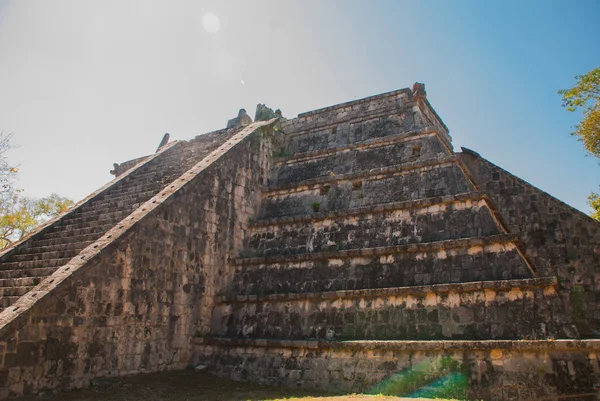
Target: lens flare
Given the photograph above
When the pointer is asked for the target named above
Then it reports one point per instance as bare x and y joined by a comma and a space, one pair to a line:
211, 23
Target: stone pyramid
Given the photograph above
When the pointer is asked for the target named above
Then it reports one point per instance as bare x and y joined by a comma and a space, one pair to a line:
350, 249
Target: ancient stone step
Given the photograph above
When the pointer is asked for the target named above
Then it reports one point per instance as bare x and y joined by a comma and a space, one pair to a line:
31, 268
68, 232
66, 254
128, 194
69, 246
357, 159
93, 218
108, 210
92, 224
20, 282
14, 291
507, 309
121, 200
58, 240
418, 181
400, 223
8, 301
453, 261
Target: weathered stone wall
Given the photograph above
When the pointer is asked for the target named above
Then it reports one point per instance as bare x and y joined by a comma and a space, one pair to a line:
346, 133
467, 260
372, 227
357, 158
559, 240
488, 370
136, 304
523, 309
362, 109
360, 120
334, 193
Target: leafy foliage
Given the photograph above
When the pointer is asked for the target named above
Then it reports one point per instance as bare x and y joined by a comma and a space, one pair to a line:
594, 202
585, 95
19, 215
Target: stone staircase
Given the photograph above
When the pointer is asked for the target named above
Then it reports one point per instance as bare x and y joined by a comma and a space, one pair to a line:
25, 266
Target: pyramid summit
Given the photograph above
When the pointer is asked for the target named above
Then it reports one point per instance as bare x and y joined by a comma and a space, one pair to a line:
349, 249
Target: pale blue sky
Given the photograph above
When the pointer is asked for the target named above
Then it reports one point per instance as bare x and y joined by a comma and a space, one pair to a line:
84, 83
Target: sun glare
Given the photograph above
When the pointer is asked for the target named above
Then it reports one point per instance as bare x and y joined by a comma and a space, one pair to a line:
211, 23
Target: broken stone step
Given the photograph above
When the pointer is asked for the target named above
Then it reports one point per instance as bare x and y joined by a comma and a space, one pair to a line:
66, 254
506, 309
69, 246
20, 282
14, 291
28, 272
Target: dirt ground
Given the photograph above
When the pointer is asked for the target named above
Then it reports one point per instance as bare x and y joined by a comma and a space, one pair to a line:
191, 386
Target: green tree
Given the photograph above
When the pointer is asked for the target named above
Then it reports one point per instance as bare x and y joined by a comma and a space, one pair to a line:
594, 202
585, 95
20, 215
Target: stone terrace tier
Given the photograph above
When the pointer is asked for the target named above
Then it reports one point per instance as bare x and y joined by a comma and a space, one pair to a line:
389, 224
412, 147
24, 266
398, 183
451, 261
509, 309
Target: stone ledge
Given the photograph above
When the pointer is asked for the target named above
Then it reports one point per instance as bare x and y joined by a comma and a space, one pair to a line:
387, 250
380, 208
377, 173
398, 291
368, 144
403, 345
